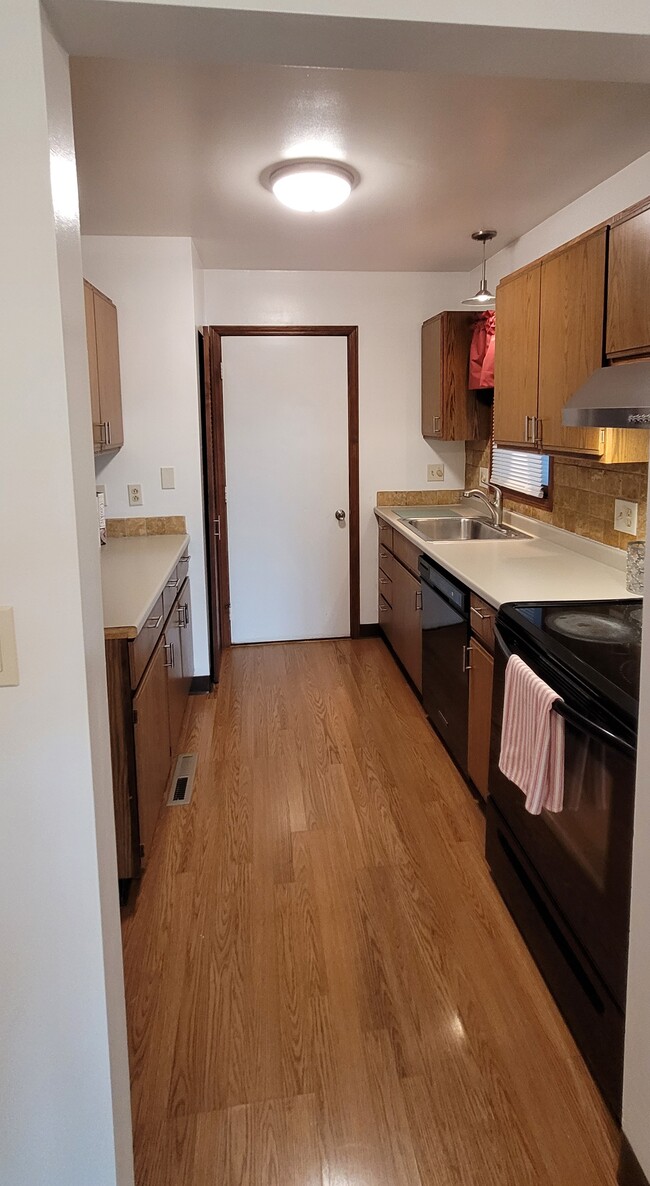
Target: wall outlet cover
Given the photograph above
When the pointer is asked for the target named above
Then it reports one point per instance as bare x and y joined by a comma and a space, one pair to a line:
625, 516
135, 495
436, 472
167, 477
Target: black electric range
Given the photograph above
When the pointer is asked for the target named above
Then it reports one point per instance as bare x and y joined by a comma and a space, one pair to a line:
566, 876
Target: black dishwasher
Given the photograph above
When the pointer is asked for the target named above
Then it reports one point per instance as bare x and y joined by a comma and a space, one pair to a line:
445, 652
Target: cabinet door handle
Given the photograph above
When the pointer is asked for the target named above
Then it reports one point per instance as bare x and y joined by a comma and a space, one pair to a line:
383, 609
169, 647
527, 420
173, 584
483, 617
418, 599
154, 623
436, 424
384, 581
106, 432
185, 559
217, 527
467, 665
183, 616
100, 425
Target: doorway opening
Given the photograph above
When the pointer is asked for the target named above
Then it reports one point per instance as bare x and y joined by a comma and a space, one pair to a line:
214, 424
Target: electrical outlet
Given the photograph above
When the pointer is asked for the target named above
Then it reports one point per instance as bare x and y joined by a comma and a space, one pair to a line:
436, 472
135, 496
625, 516
484, 477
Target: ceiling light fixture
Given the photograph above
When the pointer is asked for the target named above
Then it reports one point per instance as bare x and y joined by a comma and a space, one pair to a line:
311, 186
483, 296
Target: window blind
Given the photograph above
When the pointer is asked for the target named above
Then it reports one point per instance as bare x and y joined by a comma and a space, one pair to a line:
519, 470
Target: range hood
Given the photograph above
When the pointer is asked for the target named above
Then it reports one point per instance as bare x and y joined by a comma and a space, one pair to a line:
614, 397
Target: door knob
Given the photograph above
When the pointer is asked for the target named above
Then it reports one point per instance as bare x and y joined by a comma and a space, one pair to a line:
340, 515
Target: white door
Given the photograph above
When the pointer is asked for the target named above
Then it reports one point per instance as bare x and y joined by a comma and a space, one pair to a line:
286, 437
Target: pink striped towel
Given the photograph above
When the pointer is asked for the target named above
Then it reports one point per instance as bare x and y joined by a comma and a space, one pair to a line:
532, 738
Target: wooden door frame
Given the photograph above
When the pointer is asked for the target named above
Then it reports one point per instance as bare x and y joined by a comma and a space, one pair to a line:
217, 512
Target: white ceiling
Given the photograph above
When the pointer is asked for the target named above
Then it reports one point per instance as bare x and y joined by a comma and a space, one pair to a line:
176, 148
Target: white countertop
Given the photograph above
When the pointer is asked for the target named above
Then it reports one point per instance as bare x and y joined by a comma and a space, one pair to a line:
134, 573
553, 565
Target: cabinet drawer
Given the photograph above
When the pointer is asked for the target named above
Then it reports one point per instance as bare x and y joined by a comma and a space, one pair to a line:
141, 648
482, 620
385, 587
385, 616
408, 553
385, 535
386, 561
172, 588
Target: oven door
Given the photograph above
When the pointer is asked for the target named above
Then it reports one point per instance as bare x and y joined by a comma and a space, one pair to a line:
582, 854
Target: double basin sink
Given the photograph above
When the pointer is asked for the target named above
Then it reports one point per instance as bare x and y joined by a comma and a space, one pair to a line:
461, 528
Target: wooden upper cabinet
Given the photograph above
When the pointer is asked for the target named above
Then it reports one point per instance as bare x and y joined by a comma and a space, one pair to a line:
517, 357
450, 411
628, 293
104, 370
572, 314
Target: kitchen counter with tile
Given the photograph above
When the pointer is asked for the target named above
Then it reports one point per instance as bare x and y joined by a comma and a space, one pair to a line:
553, 565
135, 571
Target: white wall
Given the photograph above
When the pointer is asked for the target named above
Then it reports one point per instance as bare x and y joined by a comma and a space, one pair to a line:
64, 1086
389, 308
623, 189
152, 282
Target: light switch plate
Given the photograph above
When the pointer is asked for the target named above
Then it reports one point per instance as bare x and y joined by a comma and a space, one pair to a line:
8, 652
101, 489
167, 477
625, 516
135, 495
436, 472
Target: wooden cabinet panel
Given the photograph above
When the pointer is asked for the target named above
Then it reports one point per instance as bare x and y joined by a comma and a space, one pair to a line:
407, 623
408, 553
177, 691
516, 357
480, 714
385, 535
628, 296
432, 377
185, 623
91, 345
450, 411
152, 745
572, 310
108, 369
386, 620
141, 648
482, 619
386, 561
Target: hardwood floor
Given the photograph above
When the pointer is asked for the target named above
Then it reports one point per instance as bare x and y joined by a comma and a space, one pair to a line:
323, 985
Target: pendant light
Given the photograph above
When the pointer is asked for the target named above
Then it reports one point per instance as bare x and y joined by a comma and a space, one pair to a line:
483, 297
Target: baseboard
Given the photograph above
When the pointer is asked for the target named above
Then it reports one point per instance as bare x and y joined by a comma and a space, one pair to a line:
629, 1170
369, 630
200, 684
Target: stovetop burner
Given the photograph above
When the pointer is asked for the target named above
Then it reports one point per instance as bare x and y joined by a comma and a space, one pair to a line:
592, 626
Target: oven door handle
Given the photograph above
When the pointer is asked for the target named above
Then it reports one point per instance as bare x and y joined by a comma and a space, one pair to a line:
597, 732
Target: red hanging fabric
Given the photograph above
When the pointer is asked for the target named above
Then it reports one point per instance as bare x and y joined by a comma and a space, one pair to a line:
481, 353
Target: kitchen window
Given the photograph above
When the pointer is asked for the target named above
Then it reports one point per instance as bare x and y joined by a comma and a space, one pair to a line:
524, 474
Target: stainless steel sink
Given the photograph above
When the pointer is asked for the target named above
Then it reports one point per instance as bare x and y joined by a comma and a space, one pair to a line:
458, 528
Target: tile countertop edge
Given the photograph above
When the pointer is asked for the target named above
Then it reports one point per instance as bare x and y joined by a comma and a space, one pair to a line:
121, 558
588, 560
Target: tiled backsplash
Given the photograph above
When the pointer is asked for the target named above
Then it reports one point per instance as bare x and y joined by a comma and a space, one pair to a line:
583, 494
417, 498
149, 525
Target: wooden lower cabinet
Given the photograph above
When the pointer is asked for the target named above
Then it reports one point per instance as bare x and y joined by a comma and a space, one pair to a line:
153, 747
148, 688
400, 604
481, 675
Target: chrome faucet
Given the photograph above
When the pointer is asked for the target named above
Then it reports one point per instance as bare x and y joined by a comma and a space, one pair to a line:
495, 507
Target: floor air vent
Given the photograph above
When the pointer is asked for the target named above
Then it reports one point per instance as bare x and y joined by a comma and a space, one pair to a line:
183, 780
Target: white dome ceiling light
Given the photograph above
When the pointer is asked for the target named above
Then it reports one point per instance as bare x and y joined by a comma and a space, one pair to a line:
483, 297
311, 186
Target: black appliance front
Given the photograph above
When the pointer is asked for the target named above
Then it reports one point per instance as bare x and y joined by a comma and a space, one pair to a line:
579, 858
445, 638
